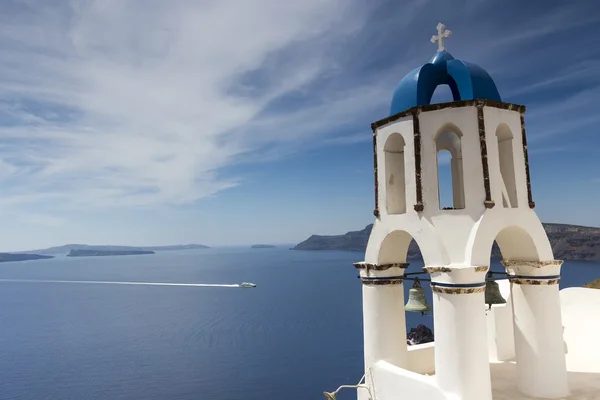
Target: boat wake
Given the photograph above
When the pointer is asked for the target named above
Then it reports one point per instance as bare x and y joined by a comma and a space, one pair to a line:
121, 283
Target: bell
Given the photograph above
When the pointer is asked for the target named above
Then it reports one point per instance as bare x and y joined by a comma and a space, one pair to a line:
492, 292
416, 299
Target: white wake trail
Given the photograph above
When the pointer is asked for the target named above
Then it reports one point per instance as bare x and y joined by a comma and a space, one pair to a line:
119, 283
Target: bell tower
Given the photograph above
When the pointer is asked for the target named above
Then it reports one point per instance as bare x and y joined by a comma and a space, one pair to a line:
491, 201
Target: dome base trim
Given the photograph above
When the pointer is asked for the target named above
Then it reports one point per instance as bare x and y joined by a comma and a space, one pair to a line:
453, 104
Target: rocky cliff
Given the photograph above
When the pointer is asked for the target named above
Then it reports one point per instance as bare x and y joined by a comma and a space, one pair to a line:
569, 242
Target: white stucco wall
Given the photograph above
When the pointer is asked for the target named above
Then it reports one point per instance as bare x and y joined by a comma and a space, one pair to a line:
465, 236
462, 121
493, 118
391, 382
421, 358
580, 316
384, 323
404, 127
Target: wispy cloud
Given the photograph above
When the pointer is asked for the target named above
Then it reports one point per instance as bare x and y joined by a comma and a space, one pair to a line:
108, 103
119, 102
42, 219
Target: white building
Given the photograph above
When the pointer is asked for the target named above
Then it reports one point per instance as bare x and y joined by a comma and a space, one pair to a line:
515, 350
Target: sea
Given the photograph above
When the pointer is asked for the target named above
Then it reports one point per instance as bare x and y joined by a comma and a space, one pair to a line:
70, 329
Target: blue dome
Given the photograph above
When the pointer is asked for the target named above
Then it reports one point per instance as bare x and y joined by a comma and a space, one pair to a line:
467, 81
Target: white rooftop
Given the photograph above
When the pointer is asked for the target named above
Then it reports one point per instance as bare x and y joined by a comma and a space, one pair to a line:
580, 309
584, 386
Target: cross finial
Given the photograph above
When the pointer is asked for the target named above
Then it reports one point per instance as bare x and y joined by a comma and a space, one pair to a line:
442, 33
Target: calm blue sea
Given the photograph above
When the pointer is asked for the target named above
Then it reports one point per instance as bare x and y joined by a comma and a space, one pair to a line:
298, 333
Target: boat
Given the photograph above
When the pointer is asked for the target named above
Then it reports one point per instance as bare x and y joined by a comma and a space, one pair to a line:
247, 284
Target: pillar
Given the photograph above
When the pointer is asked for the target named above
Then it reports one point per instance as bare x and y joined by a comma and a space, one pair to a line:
462, 367
384, 321
538, 329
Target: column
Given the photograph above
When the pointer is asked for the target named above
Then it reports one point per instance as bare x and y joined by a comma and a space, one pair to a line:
462, 367
538, 329
383, 313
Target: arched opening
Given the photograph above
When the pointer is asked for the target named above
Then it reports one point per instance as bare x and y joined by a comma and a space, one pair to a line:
400, 247
394, 248
511, 243
515, 243
442, 94
508, 183
444, 157
395, 179
450, 176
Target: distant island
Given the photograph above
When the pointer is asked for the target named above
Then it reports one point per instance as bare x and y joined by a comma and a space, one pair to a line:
569, 242
85, 250
262, 246
61, 250
100, 253
8, 257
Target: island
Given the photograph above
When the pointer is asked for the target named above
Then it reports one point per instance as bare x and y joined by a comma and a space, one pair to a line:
63, 250
175, 247
262, 246
8, 257
100, 253
569, 242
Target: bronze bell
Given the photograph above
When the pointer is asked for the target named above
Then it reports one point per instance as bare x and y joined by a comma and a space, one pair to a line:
416, 299
492, 292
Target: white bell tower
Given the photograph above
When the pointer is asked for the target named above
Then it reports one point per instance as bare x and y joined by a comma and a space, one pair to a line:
492, 201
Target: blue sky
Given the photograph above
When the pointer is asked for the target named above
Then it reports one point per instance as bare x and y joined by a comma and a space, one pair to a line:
232, 122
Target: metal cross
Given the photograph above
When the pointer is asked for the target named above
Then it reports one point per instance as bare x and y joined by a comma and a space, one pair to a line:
442, 33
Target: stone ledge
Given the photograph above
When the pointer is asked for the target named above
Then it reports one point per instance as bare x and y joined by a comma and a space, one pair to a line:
521, 281
457, 290
532, 264
381, 281
476, 268
379, 267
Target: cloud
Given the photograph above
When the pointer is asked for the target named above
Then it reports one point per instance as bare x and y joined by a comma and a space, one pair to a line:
115, 103
110, 103
42, 220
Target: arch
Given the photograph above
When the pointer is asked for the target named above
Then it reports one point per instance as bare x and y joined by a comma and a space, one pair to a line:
389, 245
506, 159
394, 247
449, 138
473, 81
516, 243
449, 127
432, 79
442, 94
395, 175
525, 240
